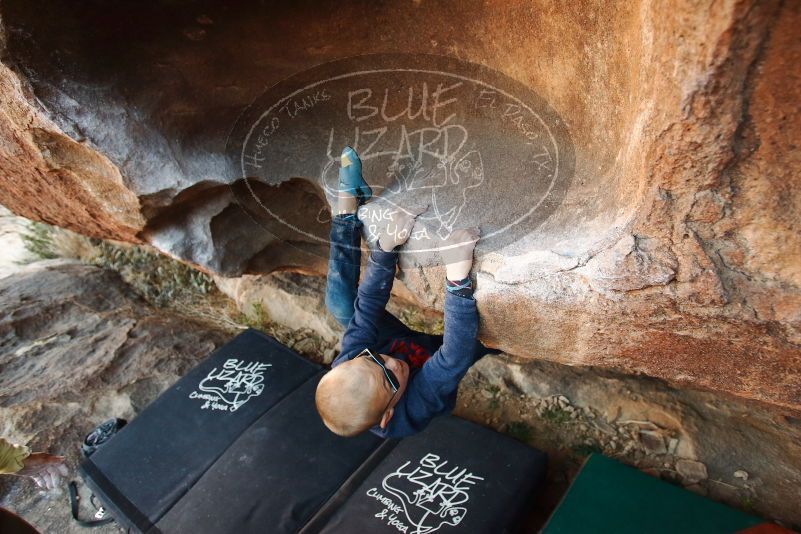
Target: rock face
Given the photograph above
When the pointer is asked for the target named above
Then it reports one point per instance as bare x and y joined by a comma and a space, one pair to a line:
695, 439
671, 250
77, 347
289, 299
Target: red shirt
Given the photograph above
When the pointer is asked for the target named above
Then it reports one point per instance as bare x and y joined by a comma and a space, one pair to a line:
414, 354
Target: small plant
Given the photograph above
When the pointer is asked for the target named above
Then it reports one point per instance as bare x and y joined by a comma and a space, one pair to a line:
38, 240
556, 415
258, 318
417, 320
520, 431
493, 393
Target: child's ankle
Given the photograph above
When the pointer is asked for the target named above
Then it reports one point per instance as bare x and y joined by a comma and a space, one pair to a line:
346, 204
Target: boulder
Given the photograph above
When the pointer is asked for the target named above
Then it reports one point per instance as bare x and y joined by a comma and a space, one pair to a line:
78, 347
633, 166
691, 472
288, 299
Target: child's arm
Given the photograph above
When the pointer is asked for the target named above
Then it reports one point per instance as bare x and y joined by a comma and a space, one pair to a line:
376, 285
433, 390
371, 299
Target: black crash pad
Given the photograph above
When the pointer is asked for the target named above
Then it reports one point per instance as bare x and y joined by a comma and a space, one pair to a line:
146, 468
455, 476
275, 476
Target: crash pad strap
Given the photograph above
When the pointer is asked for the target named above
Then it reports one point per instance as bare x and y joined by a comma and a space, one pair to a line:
74, 509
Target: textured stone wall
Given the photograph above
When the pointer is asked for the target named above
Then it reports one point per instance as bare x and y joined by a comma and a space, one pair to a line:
674, 253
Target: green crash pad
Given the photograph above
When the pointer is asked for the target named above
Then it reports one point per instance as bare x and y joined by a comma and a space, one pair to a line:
609, 497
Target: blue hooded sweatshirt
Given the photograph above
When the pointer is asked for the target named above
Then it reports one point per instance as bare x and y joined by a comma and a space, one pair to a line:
437, 363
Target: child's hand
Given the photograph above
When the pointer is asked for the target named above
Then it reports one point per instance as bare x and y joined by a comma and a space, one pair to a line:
396, 231
457, 253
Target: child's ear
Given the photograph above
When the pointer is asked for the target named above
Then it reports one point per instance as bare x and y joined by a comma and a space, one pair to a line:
385, 418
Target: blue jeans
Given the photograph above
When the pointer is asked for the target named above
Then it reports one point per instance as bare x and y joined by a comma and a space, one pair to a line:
344, 263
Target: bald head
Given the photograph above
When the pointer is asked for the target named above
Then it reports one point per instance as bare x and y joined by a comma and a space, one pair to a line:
351, 398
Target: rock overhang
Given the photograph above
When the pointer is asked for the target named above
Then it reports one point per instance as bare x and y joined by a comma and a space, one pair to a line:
156, 90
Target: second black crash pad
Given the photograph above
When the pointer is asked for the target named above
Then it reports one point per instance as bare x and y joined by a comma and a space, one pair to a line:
607, 496
153, 461
455, 476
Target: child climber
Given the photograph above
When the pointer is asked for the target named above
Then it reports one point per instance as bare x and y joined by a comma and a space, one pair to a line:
389, 378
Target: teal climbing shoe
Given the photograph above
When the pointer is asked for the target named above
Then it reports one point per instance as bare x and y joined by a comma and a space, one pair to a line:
350, 176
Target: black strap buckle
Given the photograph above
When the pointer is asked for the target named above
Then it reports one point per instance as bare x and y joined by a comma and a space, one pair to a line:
74, 499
